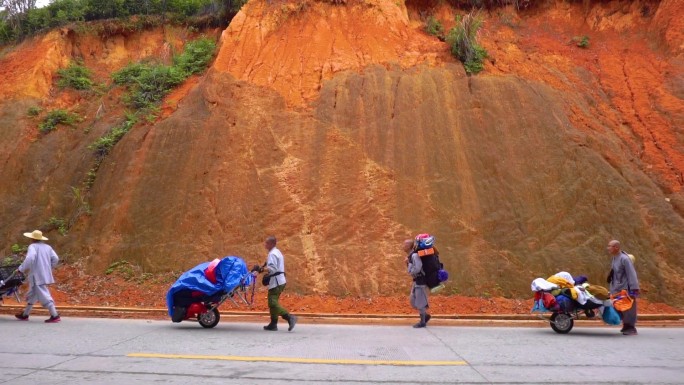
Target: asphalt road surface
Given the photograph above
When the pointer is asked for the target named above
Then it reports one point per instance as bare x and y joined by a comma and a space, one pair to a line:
116, 351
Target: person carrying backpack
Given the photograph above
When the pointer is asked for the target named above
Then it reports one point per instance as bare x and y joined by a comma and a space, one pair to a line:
419, 289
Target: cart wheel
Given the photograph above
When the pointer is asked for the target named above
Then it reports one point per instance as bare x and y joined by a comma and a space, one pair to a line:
209, 319
561, 323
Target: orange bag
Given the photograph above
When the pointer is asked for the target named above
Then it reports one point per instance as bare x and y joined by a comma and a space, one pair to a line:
622, 301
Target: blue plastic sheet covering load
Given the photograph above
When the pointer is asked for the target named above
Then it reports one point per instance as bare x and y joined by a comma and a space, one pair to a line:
230, 272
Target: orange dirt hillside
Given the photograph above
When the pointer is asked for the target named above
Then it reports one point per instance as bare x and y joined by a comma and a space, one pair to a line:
310, 41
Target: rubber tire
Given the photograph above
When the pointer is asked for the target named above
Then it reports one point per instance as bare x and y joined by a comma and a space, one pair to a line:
564, 320
209, 319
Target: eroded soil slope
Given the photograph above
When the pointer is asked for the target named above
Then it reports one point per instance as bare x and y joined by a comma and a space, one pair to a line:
345, 129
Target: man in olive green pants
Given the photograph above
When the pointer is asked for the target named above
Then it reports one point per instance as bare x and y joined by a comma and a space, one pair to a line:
275, 268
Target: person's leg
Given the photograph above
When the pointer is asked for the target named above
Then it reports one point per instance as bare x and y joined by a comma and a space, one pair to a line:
420, 302
43, 293
412, 296
629, 320
274, 305
412, 300
31, 298
274, 308
291, 321
427, 304
290, 318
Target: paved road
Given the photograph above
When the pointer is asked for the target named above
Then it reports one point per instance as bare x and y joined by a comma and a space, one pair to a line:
107, 351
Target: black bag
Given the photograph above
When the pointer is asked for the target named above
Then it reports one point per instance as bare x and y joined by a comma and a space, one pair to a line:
431, 268
178, 313
265, 279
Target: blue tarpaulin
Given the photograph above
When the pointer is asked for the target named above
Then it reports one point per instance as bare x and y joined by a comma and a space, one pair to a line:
230, 272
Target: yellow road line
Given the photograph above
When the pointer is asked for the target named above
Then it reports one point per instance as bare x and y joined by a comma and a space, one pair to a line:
298, 360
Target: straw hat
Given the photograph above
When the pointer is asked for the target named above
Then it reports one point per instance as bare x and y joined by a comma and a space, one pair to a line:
631, 256
36, 234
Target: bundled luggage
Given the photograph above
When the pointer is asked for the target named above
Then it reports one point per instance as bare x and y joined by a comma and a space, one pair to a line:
433, 269
566, 297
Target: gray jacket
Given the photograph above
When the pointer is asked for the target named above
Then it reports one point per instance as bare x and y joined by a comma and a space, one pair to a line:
415, 269
624, 274
39, 262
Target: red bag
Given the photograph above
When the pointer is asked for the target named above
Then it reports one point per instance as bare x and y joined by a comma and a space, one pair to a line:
549, 300
210, 271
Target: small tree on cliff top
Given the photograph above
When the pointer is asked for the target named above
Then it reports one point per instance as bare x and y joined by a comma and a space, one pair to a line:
463, 41
17, 7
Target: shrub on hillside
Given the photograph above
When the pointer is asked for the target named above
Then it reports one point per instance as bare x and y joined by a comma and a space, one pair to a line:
581, 41
34, 111
149, 83
104, 145
434, 27
154, 84
462, 39
75, 76
59, 224
56, 117
130, 73
195, 56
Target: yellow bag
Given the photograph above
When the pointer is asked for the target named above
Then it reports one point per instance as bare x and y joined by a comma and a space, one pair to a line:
622, 301
599, 292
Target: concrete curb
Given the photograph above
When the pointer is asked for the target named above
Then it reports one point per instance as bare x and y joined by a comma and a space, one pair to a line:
162, 312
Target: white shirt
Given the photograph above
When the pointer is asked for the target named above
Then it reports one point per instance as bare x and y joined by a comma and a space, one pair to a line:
275, 262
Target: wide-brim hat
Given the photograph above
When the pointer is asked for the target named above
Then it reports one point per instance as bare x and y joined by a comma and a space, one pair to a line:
36, 234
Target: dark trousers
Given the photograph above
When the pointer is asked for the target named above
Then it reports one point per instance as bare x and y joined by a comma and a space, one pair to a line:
629, 317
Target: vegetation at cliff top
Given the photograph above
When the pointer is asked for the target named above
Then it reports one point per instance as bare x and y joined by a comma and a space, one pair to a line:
21, 18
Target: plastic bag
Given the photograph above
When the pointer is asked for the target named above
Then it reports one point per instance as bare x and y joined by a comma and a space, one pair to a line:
611, 316
622, 301
539, 307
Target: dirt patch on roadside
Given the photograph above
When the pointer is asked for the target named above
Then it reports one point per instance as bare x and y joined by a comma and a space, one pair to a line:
77, 288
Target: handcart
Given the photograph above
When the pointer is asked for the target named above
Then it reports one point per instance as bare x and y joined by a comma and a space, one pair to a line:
565, 312
198, 293
10, 281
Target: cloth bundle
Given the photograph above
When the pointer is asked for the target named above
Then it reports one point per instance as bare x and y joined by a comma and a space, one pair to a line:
574, 289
